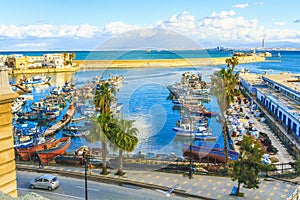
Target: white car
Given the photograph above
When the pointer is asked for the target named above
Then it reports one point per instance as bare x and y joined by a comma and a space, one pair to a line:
47, 181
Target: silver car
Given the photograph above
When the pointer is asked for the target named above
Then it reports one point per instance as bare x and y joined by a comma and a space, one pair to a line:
47, 181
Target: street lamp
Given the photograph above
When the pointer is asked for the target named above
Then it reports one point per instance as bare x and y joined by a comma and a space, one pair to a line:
190, 168
85, 156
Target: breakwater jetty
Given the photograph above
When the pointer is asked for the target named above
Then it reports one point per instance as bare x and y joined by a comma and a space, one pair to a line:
96, 64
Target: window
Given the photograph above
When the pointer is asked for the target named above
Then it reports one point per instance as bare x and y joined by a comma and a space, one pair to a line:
294, 129
289, 122
280, 114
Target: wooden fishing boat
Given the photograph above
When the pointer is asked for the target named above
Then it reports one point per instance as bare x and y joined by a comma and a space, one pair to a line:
29, 152
69, 160
57, 148
78, 119
61, 123
57, 127
216, 154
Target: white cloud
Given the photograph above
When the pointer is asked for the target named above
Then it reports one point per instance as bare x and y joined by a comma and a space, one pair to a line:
30, 45
48, 31
245, 5
117, 28
279, 23
219, 27
183, 22
222, 14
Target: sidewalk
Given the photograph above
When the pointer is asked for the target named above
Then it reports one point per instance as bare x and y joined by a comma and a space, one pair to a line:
209, 187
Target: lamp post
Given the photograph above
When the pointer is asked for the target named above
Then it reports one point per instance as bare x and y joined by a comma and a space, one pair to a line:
85, 156
190, 168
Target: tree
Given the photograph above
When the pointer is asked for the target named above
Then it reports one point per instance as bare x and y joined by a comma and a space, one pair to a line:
297, 166
103, 98
225, 89
249, 164
102, 101
65, 55
71, 57
97, 133
127, 127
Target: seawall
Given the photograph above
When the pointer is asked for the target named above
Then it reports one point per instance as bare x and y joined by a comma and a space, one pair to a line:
94, 64
44, 70
157, 63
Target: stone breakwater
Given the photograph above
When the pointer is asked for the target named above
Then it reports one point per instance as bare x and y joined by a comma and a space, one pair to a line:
95, 64
155, 63
43, 70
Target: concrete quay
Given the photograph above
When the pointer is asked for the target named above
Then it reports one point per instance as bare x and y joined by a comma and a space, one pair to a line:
199, 187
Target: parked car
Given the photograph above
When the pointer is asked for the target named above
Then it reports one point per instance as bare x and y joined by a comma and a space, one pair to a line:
97, 162
47, 181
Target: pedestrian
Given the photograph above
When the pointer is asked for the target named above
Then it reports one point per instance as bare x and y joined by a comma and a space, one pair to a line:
91, 169
39, 160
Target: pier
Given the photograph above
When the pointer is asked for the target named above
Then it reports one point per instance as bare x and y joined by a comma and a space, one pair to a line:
99, 64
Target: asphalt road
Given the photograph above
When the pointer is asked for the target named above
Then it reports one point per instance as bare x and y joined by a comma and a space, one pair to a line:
71, 188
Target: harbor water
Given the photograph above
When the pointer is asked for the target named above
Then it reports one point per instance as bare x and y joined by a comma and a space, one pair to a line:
145, 97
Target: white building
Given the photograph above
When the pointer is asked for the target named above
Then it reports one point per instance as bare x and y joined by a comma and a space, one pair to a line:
280, 94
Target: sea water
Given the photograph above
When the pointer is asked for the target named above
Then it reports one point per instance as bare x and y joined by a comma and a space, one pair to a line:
144, 94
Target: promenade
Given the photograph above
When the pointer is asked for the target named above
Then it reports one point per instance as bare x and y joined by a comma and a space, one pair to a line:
199, 187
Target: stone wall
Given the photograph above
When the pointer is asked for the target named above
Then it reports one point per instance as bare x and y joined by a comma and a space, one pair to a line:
8, 184
159, 63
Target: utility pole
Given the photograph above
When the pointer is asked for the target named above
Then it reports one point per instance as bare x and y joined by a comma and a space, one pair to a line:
85, 175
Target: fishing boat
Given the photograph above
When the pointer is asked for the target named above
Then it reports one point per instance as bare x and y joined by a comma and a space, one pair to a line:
69, 160
26, 153
209, 114
35, 80
205, 137
199, 152
78, 119
187, 130
57, 127
74, 133
63, 122
57, 148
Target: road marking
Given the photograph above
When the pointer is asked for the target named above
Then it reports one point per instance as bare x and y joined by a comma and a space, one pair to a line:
93, 189
53, 193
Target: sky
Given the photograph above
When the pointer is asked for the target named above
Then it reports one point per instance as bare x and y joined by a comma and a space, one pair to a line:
87, 25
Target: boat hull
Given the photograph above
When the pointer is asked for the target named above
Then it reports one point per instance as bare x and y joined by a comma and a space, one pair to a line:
60, 148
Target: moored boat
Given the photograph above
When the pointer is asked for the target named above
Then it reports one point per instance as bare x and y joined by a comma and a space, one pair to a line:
217, 154
57, 148
26, 153
35, 80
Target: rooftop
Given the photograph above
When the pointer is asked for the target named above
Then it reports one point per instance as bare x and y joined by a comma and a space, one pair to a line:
252, 78
291, 81
285, 102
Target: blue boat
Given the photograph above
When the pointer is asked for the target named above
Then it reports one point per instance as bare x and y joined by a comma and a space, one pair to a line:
35, 80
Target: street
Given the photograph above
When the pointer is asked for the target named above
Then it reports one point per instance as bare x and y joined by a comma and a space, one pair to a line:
71, 188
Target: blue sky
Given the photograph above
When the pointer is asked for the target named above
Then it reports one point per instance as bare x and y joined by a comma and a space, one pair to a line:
74, 24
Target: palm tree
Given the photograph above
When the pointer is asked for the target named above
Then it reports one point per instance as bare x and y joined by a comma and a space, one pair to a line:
102, 100
225, 82
97, 133
65, 54
71, 57
127, 127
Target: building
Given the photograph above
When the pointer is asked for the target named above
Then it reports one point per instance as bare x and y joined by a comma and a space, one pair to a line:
8, 184
56, 60
279, 93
